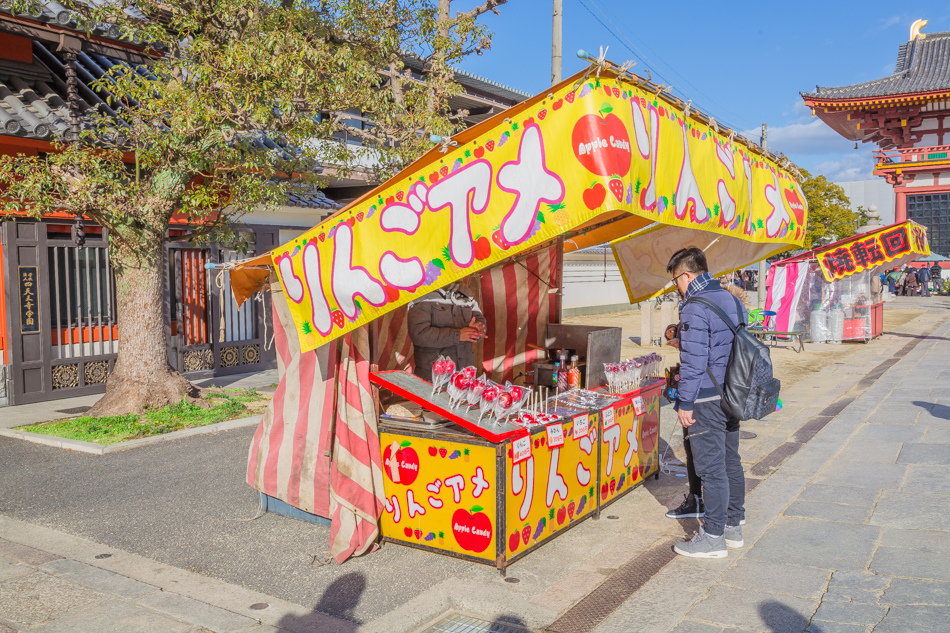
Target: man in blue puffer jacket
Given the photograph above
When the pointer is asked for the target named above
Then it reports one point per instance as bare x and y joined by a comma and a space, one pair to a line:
706, 342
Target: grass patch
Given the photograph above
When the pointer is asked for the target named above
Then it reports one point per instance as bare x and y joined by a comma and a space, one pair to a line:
215, 406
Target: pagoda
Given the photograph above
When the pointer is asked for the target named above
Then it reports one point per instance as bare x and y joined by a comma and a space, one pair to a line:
907, 114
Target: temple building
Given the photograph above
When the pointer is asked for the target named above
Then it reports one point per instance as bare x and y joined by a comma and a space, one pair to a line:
907, 115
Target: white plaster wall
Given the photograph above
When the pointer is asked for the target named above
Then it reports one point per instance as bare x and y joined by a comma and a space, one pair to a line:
875, 191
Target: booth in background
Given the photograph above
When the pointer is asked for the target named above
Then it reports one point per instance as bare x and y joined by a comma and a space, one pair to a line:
826, 293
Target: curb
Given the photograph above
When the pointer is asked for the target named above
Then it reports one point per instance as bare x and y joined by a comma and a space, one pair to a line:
97, 449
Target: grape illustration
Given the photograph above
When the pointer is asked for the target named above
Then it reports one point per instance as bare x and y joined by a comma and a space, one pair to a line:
629, 193
433, 272
585, 91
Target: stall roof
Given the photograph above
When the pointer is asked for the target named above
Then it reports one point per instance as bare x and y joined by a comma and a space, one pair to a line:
601, 155
887, 247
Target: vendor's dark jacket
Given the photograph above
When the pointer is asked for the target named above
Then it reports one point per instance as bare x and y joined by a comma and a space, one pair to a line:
705, 341
434, 323
923, 275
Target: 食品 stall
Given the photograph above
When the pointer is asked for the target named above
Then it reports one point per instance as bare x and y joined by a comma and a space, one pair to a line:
603, 155
826, 293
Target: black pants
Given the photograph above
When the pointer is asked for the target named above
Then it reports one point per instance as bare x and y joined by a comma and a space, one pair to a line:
713, 456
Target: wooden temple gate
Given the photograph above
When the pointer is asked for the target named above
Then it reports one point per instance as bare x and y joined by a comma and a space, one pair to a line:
61, 336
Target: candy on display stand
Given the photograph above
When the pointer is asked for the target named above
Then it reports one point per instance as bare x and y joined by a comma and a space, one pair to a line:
633, 373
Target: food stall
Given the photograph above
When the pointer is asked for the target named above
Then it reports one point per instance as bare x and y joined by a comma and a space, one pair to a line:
825, 293
603, 155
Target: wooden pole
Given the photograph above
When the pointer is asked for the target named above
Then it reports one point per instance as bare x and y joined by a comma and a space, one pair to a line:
556, 42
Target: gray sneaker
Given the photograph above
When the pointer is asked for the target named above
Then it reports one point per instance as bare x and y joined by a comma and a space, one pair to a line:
733, 534
703, 545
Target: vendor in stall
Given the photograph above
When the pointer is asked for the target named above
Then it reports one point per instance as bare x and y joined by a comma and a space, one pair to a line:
445, 322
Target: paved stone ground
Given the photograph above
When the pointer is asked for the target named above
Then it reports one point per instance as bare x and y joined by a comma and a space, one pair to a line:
850, 535
170, 516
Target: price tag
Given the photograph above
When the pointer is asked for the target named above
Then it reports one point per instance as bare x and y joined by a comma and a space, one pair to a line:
555, 435
521, 449
639, 406
609, 419
581, 425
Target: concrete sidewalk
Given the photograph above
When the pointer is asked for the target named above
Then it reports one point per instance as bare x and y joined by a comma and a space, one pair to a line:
849, 535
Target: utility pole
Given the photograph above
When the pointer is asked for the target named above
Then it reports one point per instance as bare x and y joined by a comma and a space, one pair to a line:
556, 43
764, 142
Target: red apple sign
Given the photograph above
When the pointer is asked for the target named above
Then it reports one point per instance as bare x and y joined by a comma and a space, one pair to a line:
795, 204
472, 530
601, 143
407, 464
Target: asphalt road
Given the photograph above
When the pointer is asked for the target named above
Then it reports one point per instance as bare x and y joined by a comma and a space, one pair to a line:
181, 503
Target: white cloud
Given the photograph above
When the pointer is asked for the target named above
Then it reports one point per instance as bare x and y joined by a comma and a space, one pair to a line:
855, 166
796, 139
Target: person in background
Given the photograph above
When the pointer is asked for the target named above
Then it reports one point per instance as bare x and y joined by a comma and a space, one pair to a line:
902, 282
892, 277
876, 287
935, 274
705, 348
910, 282
923, 276
445, 322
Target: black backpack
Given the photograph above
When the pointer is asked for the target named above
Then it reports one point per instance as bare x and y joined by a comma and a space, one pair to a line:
750, 391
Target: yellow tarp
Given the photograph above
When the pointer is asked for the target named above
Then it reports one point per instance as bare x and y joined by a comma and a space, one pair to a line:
559, 161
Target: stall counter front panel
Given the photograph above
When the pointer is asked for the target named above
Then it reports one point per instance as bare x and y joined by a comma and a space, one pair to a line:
464, 496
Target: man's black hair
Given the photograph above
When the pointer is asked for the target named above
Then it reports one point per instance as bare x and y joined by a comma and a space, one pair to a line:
692, 259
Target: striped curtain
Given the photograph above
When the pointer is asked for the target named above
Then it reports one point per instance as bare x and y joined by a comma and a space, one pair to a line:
323, 405
517, 303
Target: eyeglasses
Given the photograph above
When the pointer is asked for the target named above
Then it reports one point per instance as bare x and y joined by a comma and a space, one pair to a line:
685, 272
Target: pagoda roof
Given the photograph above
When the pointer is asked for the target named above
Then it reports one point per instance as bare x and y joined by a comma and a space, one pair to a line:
923, 65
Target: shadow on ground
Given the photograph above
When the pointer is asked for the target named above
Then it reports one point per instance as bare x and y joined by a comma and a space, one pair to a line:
781, 618
340, 599
941, 411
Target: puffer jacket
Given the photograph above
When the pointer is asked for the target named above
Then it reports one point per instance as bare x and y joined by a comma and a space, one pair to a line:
923, 275
434, 322
705, 341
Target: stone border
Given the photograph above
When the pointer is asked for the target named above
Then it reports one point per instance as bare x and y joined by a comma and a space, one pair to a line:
97, 449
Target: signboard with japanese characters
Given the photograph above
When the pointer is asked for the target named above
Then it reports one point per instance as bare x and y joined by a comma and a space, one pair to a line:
871, 250
29, 308
594, 145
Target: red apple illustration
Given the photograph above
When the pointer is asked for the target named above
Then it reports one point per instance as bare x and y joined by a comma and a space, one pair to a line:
407, 463
601, 143
557, 104
391, 294
595, 196
513, 541
604, 490
433, 451
408, 532
561, 515
479, 152
472, 530
482, 248
795, 203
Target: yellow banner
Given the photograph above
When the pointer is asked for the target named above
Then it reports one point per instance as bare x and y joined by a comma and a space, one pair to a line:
864, 252
556, 162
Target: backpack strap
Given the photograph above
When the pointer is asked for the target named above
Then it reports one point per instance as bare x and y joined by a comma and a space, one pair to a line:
720, 312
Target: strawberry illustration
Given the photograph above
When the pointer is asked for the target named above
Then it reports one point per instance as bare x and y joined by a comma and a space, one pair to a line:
443, 452
490, 145
543, 113
400, 195
569, 97
337, 317
616, 92
570, 509
322, 237
417, 534
556, 105
616, 187
359, 216
526, 534
444, 170
499, 239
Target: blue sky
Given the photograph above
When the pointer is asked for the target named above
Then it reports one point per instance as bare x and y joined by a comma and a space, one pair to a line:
742, 62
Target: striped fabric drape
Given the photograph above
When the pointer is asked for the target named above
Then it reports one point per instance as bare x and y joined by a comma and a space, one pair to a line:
322, 405
517, 303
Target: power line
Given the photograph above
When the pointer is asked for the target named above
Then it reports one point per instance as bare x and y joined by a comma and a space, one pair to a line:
632, 48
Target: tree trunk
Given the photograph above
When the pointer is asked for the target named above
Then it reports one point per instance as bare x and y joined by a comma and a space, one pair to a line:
142, 377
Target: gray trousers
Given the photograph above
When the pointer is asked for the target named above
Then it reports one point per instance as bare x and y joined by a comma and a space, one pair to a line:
714, 440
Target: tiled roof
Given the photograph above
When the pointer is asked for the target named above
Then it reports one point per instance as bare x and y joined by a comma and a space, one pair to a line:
310, 197
54, 13
923, 65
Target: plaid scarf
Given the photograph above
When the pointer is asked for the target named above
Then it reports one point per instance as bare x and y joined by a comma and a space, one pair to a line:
696, 286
